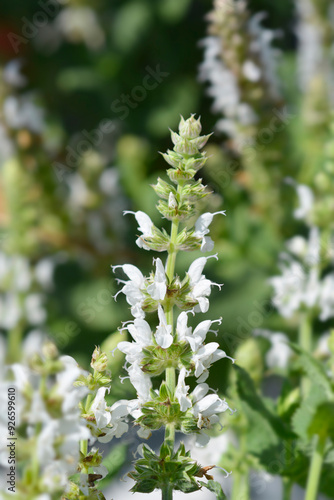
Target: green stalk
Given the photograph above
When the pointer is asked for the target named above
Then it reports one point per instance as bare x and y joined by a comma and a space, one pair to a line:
305, 341
84, 442
315, 468
167, 490
240, 487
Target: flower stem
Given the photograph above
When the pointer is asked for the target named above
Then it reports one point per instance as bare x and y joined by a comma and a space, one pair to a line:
305, 341
315, 468
167, 492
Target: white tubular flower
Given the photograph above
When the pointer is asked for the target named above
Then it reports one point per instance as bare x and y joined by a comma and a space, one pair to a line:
202, 229
206, 409
279, 353
141, 332
181, 391
145, 227
141, 382
100, 410
163, 334
201, 287
306, 201
158, 288
204, 357
326, 300
132, 289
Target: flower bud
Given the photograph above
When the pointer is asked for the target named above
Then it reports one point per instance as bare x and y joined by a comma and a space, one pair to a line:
190, 128
99, 360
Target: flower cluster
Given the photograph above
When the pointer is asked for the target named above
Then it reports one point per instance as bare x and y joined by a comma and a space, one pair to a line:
173, 347
240, 65
48, 426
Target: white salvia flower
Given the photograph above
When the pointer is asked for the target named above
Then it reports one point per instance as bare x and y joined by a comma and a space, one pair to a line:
326, 299
201, 287
133, 289
204, 357
145, 227
251, 71
141, 382
141, 332
99, 408
279, 353
44, 270
36, 313
206, 409
21, 112
202, 229
163, 334
306, 201
181, 391
323, 345
158, 288
295, 287
80, 24
12, 74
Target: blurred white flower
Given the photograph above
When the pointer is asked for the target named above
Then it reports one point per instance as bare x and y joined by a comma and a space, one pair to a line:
80, 25
21, 112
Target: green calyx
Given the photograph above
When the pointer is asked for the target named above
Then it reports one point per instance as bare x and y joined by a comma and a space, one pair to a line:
156, 359
177, 470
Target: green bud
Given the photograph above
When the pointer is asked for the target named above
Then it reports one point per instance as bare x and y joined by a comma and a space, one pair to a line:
163, 189
49, 350
99, 360
172, 158
180, 175
190, 128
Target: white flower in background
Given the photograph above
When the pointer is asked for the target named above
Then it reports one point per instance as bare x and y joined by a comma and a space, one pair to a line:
261, 47
158, 288
326, 299
133, 289
200, 286
145, 227
310, 35
202, 229
12, 74
163, 335
323, 345
279, 353
295, 288
306, 201
80, 25
22, 112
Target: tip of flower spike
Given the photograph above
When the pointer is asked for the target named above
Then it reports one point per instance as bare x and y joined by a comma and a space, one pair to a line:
190, 128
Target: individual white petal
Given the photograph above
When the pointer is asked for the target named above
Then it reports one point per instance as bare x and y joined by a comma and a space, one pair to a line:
163, 333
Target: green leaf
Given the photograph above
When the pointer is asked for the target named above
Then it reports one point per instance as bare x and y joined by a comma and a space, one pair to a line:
313, 369
216, 488
322, 422
266, 434
302, 418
